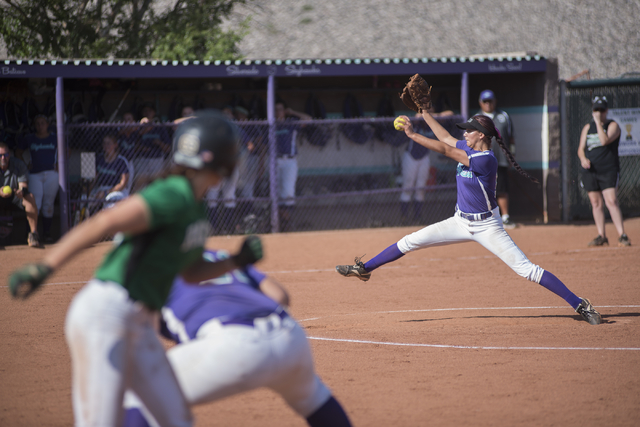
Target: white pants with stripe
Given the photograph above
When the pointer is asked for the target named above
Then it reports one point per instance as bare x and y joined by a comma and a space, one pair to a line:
229, 359
415, 173
44, 187
488, 232
287, 173
114, 347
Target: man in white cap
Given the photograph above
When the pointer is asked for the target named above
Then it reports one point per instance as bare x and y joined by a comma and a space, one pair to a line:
503, 122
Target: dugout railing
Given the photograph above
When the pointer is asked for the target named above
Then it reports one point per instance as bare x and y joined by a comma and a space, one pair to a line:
349, 175
575, 104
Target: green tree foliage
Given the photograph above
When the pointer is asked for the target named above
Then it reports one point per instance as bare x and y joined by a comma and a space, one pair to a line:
171, 30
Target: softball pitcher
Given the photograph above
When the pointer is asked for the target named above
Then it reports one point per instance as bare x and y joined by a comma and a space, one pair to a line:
233, 336
477, 216
110, 323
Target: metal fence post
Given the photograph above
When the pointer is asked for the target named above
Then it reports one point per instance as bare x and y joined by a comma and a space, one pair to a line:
564, 143
464, 95
62, 158
273, 178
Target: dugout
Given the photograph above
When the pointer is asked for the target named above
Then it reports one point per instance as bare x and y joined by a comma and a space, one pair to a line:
526, 86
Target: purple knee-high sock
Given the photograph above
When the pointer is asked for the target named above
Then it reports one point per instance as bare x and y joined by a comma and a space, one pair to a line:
390, 254
329, 414
133, 418
554, 284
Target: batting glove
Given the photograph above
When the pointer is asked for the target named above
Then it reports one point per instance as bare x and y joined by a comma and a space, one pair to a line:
26, 280
250, 252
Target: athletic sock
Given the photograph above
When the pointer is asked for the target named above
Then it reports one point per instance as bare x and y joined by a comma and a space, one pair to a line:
554, 284
330, 414
390, 254
133, 418
46, 226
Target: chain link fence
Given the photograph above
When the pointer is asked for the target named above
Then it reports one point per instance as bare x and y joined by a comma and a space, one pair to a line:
346, 173
577, 114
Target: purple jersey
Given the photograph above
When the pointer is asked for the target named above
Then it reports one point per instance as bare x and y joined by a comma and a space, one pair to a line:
232, 297
476, 183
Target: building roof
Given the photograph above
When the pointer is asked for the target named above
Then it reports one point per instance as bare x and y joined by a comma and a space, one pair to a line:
302, 67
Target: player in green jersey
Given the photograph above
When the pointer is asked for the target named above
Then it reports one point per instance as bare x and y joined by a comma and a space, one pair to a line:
161, 231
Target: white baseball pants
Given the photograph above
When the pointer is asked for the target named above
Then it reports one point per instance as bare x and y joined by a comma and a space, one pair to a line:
228, 189
229, 359
415, 173
488, 232
44, 187
114, 347
287, 176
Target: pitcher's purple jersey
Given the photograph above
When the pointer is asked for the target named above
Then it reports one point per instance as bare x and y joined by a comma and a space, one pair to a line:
476, 183
232, 297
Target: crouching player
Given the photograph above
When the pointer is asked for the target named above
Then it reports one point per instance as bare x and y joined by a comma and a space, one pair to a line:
233, 336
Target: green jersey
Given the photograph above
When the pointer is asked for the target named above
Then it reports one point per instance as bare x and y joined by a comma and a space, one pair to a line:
146, 264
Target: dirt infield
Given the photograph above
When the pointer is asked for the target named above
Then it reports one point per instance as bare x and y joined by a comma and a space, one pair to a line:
446, 336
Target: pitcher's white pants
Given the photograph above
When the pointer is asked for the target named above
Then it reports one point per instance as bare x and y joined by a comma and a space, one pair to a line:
113, 347
228, 359
488, 232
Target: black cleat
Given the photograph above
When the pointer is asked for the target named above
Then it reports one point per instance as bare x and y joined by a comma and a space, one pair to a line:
599, 241
356, 270
588, 313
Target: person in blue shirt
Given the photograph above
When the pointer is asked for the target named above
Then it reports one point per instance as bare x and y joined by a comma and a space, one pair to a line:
287, 162
128, 138
415, 171
112, 173
42, 163
501, 119
233, 335
154, 145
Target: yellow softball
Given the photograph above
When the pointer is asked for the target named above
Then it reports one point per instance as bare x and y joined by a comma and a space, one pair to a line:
7, 190
398, 122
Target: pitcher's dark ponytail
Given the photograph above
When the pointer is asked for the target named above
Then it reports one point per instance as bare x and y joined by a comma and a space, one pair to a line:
488, 124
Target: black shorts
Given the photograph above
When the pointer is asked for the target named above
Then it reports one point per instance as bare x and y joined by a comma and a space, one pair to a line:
592, 181
502, 185
14, 202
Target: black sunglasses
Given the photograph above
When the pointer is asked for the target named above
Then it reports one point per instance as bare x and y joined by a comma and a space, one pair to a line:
4, 154
601, 110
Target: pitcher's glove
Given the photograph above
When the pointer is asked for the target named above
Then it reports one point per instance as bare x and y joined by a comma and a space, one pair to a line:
26, 280
250, 252
416, 94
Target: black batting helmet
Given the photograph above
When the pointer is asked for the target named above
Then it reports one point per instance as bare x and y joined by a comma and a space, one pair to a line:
208, 140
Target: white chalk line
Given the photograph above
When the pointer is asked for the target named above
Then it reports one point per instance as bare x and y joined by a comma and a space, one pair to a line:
465, 258
443, 345
469, 347
474, 347
326, 270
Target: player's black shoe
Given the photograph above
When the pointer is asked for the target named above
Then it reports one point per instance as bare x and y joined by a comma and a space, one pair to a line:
588, 313
624, 240
507, 224
599, 241
356, 270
